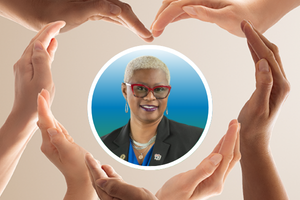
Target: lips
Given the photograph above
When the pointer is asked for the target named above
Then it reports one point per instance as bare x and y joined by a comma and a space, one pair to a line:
149, 108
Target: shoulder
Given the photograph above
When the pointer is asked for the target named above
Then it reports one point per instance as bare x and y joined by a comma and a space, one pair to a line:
184, 129
110, 137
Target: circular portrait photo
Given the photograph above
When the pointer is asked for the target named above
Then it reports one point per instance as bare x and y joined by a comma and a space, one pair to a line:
149, 107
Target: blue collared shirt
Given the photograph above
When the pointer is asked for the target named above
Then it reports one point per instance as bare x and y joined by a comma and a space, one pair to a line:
132, 158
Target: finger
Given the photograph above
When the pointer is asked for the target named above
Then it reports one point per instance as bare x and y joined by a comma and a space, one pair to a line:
121, 190
46, 119
128, 16
274, 49
227, 150
96, 173
65, 132
59, 140
181, 17
253, 54
45, 93
261, 49
264, 84
110, 172
205, 169
204, 13
111, 20
50, 32
164, 5
236, 154
167, 16
217, 148
94, 167
29, 47
86, 9
52, 48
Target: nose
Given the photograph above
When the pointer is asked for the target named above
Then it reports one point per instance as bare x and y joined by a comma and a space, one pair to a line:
150, 96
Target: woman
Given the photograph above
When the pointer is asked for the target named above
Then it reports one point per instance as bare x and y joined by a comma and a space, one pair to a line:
149, 138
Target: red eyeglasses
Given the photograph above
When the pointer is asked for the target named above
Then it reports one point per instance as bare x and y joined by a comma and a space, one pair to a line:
140, 90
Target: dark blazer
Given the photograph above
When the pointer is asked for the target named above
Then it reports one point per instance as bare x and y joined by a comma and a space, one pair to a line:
173, 140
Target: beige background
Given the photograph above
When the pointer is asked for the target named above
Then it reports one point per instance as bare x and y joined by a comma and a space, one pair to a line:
223, 59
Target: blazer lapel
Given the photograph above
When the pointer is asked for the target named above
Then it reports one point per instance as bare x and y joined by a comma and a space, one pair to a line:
160, 149
122, 141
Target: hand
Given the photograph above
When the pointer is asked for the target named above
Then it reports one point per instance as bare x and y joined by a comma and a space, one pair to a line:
227, 14
35, 14
208, 178
33, 71
258, 117
63, 152
259, 114
110, 186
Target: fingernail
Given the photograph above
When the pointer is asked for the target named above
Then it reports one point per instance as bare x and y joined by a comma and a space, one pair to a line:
51, 132
190, 10
101, 183
115, 9
263, 66
38, 46
216, 159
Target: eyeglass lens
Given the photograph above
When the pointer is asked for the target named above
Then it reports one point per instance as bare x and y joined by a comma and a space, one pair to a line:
159, 92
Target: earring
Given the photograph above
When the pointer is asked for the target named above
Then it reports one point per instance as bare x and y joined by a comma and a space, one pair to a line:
167, 111
126, 107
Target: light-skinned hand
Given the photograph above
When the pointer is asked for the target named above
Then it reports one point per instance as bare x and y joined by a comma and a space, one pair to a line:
32, 73
110, 186
208, 178
63, 152
227, 14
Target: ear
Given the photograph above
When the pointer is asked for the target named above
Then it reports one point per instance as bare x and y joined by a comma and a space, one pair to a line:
124, 90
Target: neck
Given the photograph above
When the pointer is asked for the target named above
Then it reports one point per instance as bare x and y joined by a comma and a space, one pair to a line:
143, 132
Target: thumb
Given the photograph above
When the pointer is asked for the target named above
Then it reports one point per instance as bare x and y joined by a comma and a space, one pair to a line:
59, 140
206, 168
204, 13
264, 83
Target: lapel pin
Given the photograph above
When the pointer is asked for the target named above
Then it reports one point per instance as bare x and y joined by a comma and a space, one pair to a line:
123, 156
157, 157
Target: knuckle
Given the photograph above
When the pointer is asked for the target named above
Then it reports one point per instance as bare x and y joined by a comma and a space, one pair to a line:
44, 149
274, 48
237, 157
228, 158
111, 189
218, 188
269, 54
126, 7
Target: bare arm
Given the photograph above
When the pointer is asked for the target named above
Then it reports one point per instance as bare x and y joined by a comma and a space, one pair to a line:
32, 73
260, 178
35, 14
228, 14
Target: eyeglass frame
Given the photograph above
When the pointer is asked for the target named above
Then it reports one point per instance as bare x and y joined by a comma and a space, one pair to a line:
149, 89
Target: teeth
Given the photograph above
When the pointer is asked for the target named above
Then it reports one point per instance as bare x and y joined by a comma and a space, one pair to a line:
149, 106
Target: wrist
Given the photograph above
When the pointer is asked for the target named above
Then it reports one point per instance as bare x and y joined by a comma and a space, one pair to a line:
268, 12
82, 189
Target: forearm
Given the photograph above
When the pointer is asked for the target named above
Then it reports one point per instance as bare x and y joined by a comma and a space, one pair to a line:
270, 11
260, 177
83, 190
28, 13
14, 136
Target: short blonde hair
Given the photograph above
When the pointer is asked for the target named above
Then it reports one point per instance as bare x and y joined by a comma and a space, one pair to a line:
145, 62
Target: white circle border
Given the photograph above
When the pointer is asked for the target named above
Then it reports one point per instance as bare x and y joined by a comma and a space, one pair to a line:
150, 47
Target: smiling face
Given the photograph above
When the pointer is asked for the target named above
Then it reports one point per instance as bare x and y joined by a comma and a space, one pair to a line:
147, 109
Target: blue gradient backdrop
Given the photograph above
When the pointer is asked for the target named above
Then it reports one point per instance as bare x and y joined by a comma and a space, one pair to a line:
187, 103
